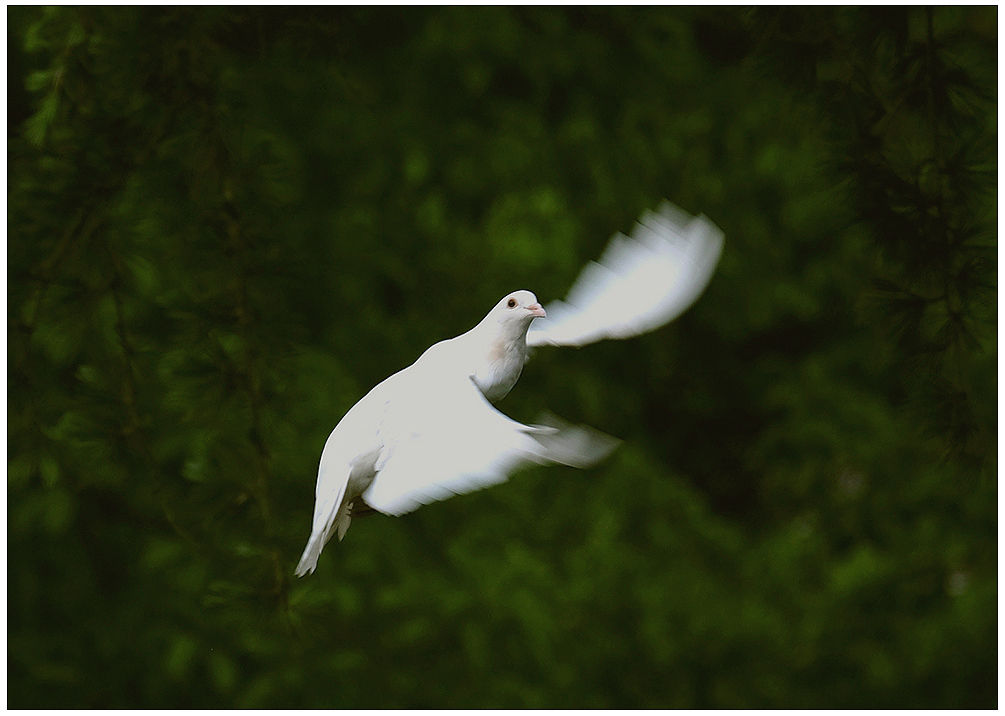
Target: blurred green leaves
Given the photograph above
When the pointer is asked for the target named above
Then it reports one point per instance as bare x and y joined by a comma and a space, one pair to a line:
225, 225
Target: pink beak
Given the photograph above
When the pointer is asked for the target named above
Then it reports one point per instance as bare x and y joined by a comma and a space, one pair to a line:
536, 310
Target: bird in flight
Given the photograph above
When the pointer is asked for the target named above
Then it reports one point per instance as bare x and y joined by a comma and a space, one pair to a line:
430, 431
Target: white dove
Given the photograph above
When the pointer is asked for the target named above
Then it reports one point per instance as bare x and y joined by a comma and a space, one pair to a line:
430, 432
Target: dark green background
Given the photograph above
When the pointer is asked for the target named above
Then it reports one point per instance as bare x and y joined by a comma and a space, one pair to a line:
226, 225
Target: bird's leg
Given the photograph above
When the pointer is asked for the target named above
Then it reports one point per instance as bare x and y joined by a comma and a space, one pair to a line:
361, 509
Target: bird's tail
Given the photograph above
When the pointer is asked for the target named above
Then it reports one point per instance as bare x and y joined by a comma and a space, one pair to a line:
309, 559
319, 538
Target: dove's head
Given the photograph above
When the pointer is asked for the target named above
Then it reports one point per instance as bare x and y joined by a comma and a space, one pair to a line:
514, 312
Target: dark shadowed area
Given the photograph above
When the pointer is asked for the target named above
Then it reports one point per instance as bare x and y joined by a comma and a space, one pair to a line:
225, 225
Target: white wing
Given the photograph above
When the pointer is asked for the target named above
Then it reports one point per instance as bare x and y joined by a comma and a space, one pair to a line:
640, 283
459, 443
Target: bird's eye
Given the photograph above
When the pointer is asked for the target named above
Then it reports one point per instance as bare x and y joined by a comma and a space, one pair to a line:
511, 303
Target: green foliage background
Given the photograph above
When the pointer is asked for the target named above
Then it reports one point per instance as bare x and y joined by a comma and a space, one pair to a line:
225, 225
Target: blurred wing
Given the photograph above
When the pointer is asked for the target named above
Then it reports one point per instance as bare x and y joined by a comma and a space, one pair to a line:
460, 443
640, 283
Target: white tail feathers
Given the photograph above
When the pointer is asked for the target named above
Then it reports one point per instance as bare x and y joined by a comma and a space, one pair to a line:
309, 559
342, 523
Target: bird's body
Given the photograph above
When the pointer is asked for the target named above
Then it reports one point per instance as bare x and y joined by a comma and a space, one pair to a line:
490, 356
429, 431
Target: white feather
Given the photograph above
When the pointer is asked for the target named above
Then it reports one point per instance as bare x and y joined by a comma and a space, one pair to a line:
639, 284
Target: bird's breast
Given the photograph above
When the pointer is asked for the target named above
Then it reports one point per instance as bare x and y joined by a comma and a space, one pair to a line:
499, 371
